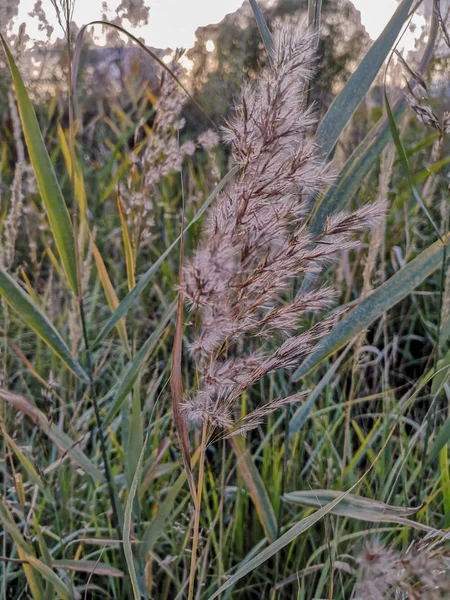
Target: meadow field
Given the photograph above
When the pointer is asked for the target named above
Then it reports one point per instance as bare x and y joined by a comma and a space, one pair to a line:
225, 342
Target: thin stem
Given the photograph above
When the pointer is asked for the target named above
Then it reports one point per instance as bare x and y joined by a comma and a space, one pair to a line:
99, 425
198, 502
115, 518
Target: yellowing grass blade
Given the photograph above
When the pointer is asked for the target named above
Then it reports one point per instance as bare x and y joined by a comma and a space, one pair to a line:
80, 191
28, 310
23, 550
129, 255
48, 185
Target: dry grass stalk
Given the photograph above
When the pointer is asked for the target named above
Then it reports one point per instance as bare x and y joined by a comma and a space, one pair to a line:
12, 221
159, 154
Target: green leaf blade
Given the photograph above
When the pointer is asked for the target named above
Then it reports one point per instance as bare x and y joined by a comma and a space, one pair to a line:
378, 302
359, 83
28, 310
57, 212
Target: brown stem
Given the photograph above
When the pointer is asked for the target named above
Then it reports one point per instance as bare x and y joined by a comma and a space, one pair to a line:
198, 502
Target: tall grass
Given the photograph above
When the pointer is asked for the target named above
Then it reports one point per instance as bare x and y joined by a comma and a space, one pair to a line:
160, 298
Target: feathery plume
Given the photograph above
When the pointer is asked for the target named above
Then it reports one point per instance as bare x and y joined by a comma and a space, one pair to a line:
257, 242
421, 572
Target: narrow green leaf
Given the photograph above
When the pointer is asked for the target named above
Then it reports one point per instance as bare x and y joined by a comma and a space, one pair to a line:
442, 374
441, 440
109, 291
345, 104
378, 302
133, 368
129, 255
80, 191
130, 298
404, 159
263, 28
314, 10
51, 194
28, 310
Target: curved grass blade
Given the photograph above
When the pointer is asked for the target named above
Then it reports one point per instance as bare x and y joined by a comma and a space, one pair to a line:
263, 28
28, 310
440, 441
345, 104
378, 302
144, 280
356, 507
51, 577
58, 437
92, 567
51, 194
79, 188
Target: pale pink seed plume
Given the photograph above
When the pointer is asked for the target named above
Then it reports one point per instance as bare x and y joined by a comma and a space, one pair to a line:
420, 572
257, 242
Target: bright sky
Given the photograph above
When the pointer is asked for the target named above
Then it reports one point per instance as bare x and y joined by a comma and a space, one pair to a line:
173, 23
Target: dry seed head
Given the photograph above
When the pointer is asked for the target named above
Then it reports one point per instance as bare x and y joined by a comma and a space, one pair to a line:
257, 242
421, 572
